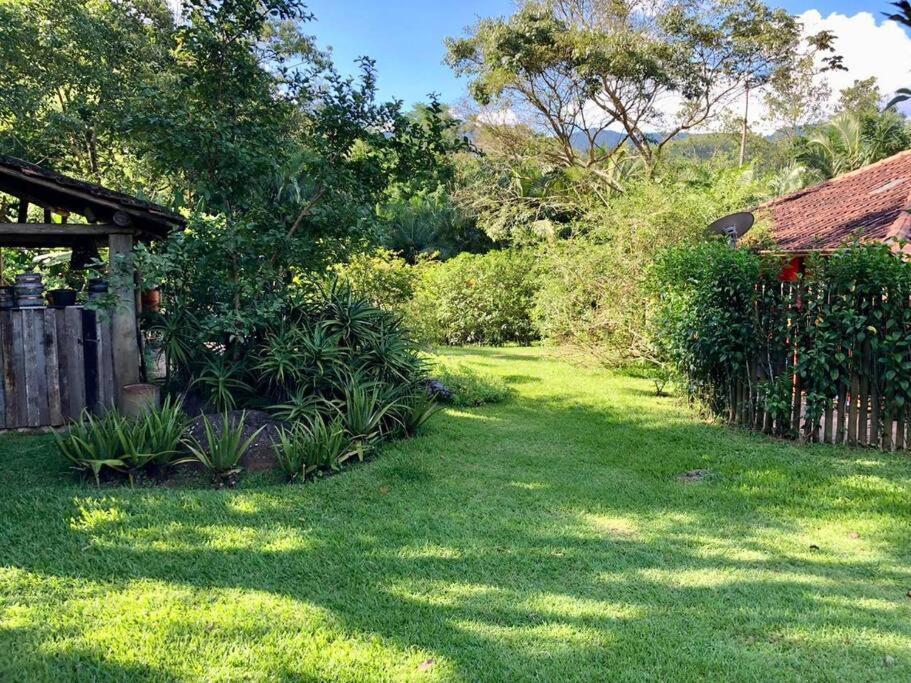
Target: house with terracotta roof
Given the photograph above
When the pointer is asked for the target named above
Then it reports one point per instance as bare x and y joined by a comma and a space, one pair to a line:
871, 203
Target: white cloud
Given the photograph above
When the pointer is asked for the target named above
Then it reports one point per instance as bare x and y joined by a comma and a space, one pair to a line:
869, 49
498, 117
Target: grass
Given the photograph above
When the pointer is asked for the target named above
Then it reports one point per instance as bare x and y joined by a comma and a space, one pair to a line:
545, 538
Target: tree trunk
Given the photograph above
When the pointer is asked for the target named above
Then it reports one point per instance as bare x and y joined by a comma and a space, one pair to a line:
744, 127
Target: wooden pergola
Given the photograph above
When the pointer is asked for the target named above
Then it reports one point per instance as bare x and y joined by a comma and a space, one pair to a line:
111, 219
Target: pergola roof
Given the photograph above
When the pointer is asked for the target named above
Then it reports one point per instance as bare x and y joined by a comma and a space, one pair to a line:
64, 194
871, 203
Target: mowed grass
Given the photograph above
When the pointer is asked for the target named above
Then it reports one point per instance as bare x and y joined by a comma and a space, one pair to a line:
547, 538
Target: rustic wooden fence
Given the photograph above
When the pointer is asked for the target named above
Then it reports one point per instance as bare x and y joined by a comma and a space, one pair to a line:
56, 363
829, 366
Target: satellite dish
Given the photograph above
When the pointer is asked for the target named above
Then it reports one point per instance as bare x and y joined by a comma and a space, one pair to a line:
733, 226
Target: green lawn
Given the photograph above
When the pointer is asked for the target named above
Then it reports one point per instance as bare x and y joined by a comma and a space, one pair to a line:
547, 538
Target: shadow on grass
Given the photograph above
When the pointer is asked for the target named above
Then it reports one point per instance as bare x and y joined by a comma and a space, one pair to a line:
553, 541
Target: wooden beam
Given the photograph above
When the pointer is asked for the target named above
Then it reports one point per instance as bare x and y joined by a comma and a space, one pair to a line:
23, 211
134, 214
125, 345
62, 229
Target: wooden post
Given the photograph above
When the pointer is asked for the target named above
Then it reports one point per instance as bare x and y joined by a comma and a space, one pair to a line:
124, 343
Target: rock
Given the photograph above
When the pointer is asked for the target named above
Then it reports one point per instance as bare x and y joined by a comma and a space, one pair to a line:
693, 476
439, 391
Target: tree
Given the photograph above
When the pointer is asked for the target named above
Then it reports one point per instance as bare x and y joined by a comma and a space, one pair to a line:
229, 112
797, 97
903, 17
577, 68
850, 141
69, 70
863, 97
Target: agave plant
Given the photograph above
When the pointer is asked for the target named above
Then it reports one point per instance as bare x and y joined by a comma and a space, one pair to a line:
92, 444
280, 360
321, 352
301, 405
348, 316
416, 410
163, 430
221, 380
365, 406
307, 447
223, 448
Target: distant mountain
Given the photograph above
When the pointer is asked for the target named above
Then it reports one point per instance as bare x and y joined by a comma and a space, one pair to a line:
606, 138
609, 139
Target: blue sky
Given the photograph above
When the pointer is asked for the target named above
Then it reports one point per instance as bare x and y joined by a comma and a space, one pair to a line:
406, 36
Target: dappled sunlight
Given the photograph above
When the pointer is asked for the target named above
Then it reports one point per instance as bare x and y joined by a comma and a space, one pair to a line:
530, 485
609, 526
478, 416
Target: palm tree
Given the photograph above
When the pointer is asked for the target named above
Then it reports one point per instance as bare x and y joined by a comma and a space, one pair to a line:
852, 140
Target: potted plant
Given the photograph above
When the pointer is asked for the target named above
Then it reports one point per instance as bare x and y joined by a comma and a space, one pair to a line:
62, 281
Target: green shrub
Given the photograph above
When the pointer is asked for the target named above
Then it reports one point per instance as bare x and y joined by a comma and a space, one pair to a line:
470, 387
379, 277
308, 447
124, 444
224, 445
740, 338
594, 291
477, 299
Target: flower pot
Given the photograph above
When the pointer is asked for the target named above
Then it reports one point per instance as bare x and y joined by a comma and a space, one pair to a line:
140, 398
151, 300
29, 290
61, 298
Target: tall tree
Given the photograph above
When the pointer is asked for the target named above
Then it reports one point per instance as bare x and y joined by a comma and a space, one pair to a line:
578, 68
797, 96
863, 96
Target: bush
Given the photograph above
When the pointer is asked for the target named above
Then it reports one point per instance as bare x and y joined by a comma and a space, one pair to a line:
469, 387
333, 359
380, 277
593, 293
477, 299
113, 441
742, 341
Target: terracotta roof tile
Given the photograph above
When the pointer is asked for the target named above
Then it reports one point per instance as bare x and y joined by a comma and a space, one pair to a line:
871, 203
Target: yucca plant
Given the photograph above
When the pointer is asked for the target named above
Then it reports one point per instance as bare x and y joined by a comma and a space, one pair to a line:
221, 380
365, 406
223, 448
163, 430
301, 405
280, 360
93, 443
307, 447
